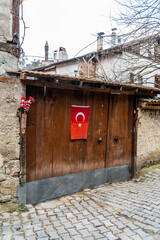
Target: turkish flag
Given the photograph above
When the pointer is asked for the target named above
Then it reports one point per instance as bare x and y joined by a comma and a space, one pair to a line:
79, 122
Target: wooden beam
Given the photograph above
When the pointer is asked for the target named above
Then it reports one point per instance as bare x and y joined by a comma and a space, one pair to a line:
70, 86
126, 87
9, 80
151, 107
15, 17
9, 47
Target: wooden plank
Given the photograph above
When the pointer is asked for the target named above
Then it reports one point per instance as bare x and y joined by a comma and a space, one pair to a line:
68, 159
121, 126
98, 121
40, 163
31, 137
48, 133
58, 138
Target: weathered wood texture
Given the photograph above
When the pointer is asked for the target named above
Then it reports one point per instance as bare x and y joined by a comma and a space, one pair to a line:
120, 127
15, 16
50, 152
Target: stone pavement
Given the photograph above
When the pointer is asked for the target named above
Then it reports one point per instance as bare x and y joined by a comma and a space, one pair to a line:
128, 210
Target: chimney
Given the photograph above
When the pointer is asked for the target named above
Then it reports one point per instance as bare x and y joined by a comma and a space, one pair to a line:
113, 37
63, 54
55, 55
119, 39
46, 51
100, 41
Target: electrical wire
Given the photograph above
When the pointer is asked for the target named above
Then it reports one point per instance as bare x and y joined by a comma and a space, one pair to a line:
85, 47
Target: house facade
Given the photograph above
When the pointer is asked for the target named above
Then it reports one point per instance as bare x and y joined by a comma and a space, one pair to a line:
16, 168
131, 62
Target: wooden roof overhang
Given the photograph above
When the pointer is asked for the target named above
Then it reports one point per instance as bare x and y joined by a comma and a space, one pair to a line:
74, 83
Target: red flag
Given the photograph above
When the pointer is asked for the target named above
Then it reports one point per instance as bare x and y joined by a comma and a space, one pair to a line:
79, 122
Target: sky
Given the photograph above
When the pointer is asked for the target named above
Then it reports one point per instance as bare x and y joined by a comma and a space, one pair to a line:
72, 24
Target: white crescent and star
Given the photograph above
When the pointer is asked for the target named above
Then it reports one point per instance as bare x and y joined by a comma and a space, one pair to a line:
76, 117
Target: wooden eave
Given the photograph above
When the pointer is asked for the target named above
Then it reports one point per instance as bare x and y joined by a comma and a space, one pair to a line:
149, 104
9, 47
66, 82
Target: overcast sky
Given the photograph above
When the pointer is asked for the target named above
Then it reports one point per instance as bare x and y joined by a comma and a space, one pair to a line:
72, 24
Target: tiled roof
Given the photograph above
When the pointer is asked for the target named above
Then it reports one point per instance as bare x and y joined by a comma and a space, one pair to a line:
86, 82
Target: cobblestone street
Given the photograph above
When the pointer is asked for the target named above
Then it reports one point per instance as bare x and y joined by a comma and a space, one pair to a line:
128, 210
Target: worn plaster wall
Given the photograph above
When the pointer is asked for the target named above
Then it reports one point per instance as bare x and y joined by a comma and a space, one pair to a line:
8, 62
5, 20
9, 139
148, 139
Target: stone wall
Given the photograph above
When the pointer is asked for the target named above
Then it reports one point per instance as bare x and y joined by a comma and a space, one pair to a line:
10, 93
148, 139
9, 140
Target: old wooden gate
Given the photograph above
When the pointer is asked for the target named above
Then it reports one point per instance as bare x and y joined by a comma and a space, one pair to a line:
49, 150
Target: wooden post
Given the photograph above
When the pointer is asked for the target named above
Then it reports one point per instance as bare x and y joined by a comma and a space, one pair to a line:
23, 125
134, 148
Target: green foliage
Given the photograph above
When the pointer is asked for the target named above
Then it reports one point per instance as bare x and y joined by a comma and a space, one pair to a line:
22, 208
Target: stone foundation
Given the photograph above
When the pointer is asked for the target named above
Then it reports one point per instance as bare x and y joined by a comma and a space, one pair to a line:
148, 137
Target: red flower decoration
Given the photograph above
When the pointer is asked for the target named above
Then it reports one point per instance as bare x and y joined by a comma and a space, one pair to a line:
25, 104
31, 99
23, 98
135, 118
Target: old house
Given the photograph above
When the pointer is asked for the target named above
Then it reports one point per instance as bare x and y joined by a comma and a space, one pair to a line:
40, 151
134, 61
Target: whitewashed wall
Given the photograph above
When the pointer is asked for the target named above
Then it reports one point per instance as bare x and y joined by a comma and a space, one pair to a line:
116, 68
119, 67
5, 20
66, 69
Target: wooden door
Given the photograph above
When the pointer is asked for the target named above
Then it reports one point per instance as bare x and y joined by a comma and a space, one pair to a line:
120, 131
49, 149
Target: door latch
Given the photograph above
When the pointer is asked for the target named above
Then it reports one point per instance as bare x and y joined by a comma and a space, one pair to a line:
116, 139
100, 139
